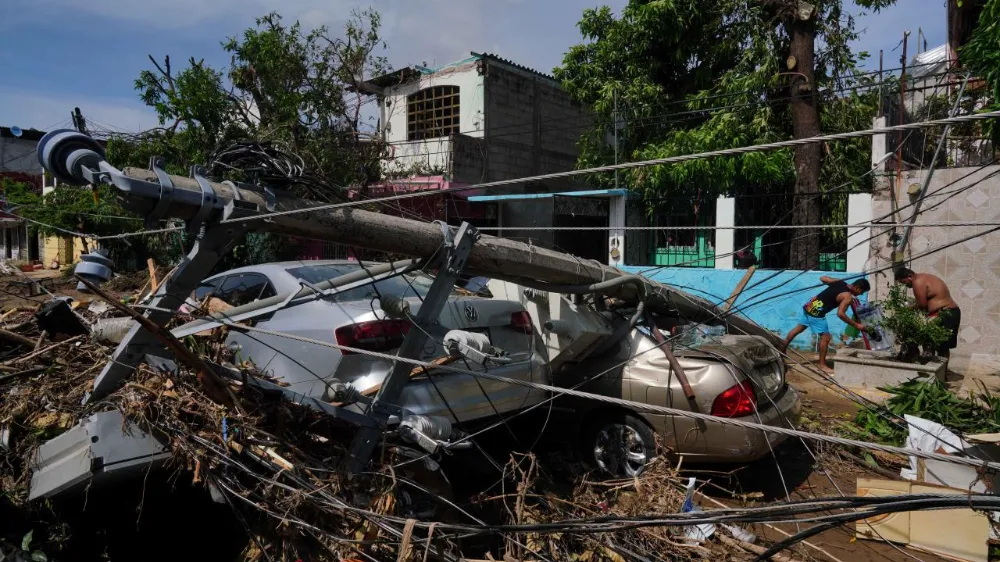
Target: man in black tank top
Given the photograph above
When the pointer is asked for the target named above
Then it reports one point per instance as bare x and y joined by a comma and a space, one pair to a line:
838, 295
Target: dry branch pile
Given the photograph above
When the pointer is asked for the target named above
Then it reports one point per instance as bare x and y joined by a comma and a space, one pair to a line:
277, 466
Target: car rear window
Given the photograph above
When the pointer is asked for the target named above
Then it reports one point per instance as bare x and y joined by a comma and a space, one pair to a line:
401, 286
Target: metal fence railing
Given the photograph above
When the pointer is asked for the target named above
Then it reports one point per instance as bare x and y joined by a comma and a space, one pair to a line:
677, 241
681, 231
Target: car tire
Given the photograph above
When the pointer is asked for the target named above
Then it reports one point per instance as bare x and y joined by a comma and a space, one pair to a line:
619, 444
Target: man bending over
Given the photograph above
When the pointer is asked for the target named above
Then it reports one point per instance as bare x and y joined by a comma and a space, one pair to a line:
837, 295
934, 299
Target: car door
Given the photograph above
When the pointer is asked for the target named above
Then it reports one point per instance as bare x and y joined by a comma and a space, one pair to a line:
240, 289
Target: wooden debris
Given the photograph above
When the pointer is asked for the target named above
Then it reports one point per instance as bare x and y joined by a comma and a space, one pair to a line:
415, 372
153, 283
16, 338
215, 387
48, 349
9, 313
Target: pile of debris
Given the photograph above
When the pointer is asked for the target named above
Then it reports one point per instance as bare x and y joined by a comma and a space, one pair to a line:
277, 465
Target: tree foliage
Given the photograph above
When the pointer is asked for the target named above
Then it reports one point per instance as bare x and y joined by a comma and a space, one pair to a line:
287, 91
689, 76
982, 57
285, 87
97, 213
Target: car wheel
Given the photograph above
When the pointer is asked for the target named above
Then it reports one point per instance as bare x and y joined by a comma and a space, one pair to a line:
621, 445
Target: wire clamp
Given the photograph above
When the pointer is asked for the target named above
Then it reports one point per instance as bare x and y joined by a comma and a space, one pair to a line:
208, 200
159, 211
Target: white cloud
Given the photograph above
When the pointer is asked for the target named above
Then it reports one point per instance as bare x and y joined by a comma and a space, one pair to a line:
41, 110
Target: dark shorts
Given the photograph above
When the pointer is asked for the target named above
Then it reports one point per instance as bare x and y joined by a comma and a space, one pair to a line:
950, 318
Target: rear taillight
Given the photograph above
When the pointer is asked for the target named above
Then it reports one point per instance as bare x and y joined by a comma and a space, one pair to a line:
521, 321
736, 402
377, 335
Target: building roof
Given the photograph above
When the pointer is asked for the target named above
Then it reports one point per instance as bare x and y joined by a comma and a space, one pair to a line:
508, 62
520, 196
406, 74
397, 77
927, 63
26, 134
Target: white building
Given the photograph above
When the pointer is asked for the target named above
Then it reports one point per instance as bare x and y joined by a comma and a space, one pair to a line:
480, 119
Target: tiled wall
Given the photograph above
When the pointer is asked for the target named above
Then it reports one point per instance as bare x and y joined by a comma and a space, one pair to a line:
971, 268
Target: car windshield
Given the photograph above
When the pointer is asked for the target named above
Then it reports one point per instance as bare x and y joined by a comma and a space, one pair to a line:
401, 286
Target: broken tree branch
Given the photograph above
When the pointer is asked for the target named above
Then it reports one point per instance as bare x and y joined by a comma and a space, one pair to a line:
214, 386
19, 374
31, 356
16, 338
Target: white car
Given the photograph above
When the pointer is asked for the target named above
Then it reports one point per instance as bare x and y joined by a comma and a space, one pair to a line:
355, 319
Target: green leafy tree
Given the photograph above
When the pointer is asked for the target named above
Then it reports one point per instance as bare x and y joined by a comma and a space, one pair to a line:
285, 88
982, 57
691, 76
66, 210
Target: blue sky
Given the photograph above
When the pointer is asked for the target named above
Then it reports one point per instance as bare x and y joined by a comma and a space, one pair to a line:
57, 54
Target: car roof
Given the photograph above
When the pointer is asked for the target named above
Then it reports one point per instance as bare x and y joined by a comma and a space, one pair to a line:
282, 266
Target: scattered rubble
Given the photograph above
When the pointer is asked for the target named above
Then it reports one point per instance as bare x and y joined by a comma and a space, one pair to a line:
275, 466
273, 461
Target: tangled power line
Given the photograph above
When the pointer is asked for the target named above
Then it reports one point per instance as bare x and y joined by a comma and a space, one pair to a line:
271, 165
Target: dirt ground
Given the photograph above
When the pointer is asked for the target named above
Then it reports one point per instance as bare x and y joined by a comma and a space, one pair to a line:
805, 478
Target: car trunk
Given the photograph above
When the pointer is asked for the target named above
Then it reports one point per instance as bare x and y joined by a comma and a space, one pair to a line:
752, 355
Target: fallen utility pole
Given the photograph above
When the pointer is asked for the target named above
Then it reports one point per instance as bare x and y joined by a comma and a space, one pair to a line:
219, 214
145, 192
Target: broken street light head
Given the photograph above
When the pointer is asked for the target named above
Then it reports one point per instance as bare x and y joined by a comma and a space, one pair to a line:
95, 267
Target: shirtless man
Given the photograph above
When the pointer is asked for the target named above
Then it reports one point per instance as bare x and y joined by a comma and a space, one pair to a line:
838, 295
935, 300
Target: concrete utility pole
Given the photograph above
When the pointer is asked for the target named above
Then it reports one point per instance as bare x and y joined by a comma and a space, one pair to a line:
221, 213
77, 159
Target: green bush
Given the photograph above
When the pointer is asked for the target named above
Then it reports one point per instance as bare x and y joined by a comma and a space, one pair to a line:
930, 400
911, 327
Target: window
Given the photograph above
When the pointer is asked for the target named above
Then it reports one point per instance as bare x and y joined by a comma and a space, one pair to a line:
245, 288
206, 288
432, 112
401, 286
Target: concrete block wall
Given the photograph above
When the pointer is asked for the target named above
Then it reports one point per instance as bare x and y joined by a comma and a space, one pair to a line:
468, 159
528, 117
